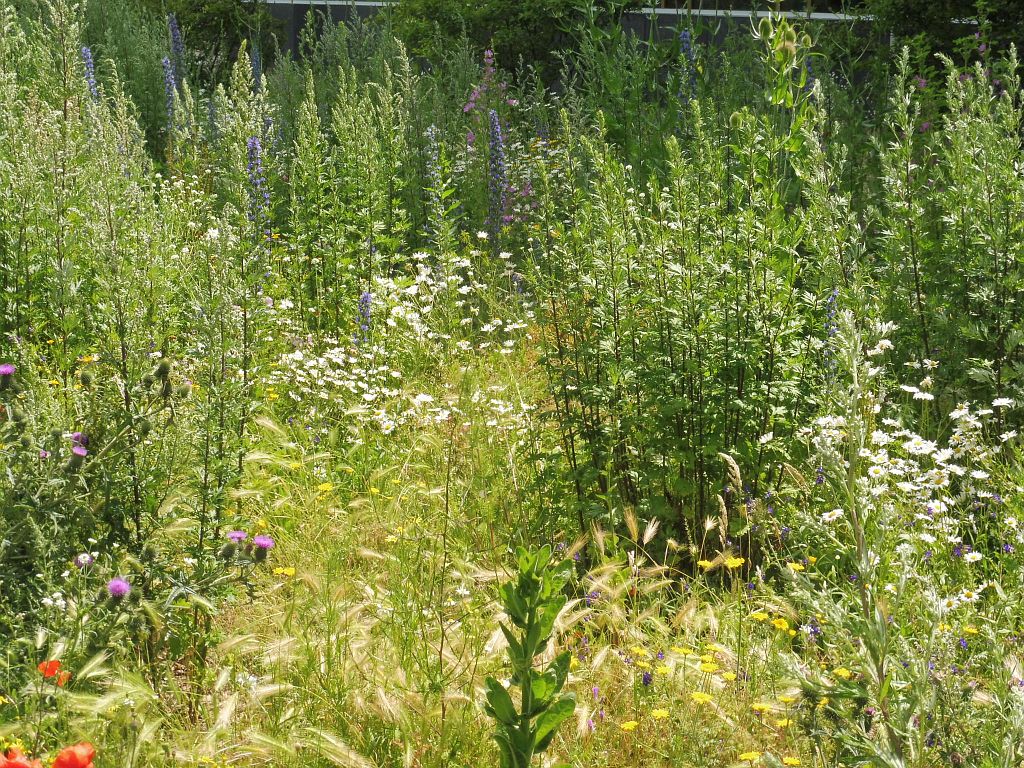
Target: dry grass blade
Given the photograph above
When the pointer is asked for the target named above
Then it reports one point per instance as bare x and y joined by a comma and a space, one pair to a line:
331, 747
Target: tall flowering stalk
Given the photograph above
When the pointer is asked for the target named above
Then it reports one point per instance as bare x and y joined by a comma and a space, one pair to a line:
364, 317
689, 66
177, 58
497, 180
90, 72
170, 90
259, 193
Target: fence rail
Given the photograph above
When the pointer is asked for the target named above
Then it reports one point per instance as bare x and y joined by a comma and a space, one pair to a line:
670, 12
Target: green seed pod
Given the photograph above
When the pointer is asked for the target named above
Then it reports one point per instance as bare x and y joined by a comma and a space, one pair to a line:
163, 369
182, 391
148, 380
86, 379
166, 388
145, 427
26, 442
764, 28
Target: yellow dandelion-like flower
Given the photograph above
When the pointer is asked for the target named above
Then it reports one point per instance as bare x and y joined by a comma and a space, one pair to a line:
786, 699
574, 663
970, 630
750, 757
823, 703
661, 669
842, 672
629, 725
295, 465
284, 571
659, 714
795, 566
375, 491
708, 667
734, 562
699, 697
325, 487
640, 651
791, 761
707, 658
728, 676
760, 616
707, 565
761, 708
780, 624
643, 664
784, 722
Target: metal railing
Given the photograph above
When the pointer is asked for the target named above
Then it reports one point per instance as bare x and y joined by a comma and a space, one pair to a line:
670, 12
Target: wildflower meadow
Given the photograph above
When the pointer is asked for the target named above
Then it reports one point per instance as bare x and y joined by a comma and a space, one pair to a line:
358, 408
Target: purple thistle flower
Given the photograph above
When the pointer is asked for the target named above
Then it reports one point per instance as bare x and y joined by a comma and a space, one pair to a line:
79, 438
80, 451
118, 588
90, 72
44, 454
237, 536
7, 369
263, 542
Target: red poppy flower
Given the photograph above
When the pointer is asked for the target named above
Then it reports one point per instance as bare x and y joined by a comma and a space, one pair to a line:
15, 758
78, 756
63, 678
49, 669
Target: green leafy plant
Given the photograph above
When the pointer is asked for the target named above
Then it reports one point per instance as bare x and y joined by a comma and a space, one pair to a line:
532, 602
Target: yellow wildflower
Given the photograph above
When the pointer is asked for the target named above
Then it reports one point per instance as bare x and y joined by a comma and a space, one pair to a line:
659, 714
791, 761
662, 669
761, 708
842, 672
785, 699
709, 667
707, 565
629, 725
750, 757
760, 616
325, 487
780, 624
728, 676
784, 722
795, 566
734, 562
699, 697
284, 571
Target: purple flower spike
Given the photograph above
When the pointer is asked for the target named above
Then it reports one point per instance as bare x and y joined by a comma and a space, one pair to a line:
263, 542
118, 588
238, 536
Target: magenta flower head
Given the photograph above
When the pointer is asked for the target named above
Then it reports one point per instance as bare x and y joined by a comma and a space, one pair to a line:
44, 454
79, 438
237, 536
118, 588
78, 454
7, 369
262, 544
